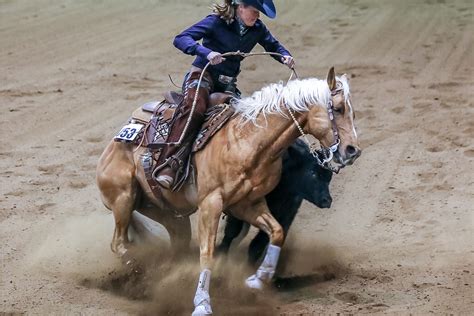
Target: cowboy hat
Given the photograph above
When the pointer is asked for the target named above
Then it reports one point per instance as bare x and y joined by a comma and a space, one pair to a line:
265, 6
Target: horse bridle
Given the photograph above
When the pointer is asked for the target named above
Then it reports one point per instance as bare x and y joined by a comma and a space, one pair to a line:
323, 155
328, 153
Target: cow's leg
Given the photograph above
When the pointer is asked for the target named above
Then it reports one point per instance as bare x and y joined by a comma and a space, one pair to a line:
233, 227
209, 212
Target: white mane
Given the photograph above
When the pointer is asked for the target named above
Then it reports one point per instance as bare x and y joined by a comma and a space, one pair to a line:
297, 95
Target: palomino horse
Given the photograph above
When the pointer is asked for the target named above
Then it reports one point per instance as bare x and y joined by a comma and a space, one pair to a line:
234, 172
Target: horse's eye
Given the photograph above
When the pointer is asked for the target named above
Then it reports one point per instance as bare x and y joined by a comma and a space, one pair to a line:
338, 110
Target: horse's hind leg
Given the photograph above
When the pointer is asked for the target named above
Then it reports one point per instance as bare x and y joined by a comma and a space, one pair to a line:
179, 230
118, 187
122, 209
115, 176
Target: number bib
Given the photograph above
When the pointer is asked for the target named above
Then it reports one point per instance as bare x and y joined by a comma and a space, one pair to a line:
128, 133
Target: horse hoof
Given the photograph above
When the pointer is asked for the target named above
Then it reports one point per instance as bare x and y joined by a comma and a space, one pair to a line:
202, 310
254, 282
133, 266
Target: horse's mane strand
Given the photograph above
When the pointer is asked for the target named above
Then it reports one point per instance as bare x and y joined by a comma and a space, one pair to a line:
297, 95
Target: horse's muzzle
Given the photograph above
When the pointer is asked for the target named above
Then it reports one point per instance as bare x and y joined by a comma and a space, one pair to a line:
350, 154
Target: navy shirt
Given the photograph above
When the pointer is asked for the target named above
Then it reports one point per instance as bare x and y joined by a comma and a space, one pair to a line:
221, 37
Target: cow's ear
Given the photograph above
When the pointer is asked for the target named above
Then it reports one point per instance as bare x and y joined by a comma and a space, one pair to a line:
299, 151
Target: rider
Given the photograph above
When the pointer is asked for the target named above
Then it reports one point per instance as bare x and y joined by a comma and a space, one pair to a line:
233, 26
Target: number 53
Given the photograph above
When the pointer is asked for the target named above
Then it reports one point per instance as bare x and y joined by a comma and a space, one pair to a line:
128, 133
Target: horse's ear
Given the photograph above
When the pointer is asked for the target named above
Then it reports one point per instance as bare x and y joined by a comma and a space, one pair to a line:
331, 79
346, 77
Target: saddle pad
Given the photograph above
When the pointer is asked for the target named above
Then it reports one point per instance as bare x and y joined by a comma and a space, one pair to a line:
145, 112
142, 114
215, 118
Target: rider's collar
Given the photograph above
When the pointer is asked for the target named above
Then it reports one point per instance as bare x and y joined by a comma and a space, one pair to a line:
243, 29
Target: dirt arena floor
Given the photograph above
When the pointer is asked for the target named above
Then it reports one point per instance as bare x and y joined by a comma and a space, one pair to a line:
399, 236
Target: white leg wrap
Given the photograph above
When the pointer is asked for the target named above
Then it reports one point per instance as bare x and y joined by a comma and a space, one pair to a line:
266, 271
202, 300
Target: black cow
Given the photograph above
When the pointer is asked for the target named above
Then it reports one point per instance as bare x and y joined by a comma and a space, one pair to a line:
302, 179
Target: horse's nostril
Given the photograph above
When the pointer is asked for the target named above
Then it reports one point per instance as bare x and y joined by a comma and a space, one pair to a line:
351, 151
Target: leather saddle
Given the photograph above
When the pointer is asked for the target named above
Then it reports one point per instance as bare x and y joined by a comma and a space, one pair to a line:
158, 119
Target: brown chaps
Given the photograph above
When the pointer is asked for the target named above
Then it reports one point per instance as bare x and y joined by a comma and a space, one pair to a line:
172, 159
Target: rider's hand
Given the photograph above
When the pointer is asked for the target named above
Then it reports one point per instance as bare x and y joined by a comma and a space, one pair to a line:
289, 61
215, 58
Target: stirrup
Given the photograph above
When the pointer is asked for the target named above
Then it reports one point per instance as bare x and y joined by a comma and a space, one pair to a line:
165, 181
164, 176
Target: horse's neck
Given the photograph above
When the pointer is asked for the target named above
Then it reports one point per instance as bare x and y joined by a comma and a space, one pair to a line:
275, 134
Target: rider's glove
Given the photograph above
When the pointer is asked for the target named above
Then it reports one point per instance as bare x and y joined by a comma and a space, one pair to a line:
289, 61
215, 58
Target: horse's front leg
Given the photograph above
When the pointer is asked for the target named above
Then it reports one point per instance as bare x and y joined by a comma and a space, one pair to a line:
209, 212
260, 217
284, 212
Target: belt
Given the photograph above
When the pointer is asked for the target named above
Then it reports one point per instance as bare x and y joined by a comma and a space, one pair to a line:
226, 79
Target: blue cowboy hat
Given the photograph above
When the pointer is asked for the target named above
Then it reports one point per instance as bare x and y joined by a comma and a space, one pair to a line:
265, 6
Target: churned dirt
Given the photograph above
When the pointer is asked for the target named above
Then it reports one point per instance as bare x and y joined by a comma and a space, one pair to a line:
398, 238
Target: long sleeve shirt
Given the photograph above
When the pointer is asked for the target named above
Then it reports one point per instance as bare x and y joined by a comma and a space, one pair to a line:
221, 37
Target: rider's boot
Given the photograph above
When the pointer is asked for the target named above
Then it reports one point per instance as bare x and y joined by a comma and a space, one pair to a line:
174, 156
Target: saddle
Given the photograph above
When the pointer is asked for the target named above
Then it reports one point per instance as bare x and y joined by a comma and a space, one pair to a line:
158, 119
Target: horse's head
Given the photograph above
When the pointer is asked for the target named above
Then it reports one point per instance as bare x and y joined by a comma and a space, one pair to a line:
333, 123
